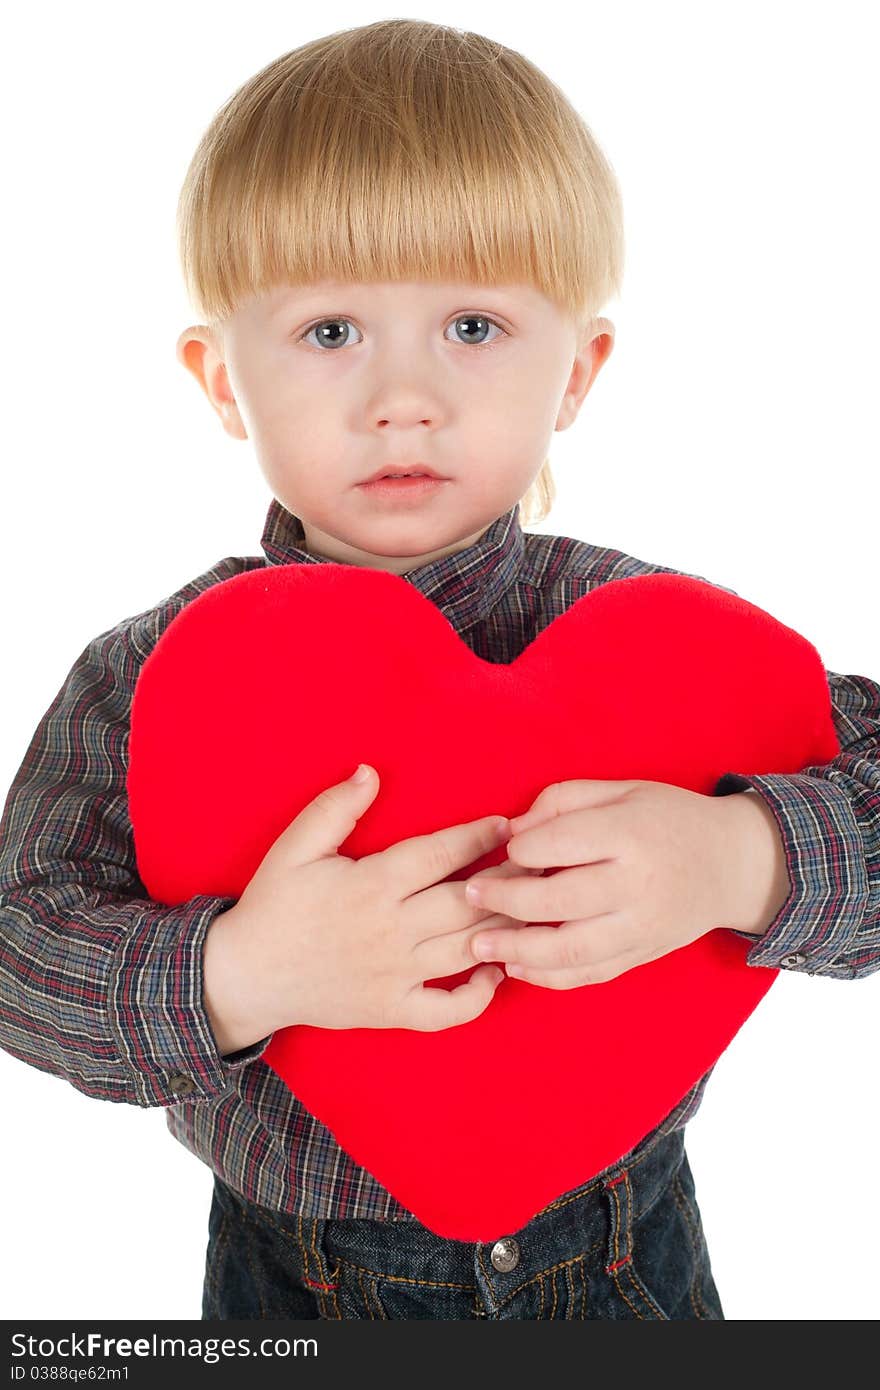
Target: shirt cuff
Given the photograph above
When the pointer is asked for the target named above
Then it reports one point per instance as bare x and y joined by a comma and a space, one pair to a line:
824, 855
157, 1012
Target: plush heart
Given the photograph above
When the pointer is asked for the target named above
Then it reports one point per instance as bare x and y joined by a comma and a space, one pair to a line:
274, 684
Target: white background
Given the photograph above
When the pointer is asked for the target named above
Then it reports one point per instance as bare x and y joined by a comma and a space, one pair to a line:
733, 434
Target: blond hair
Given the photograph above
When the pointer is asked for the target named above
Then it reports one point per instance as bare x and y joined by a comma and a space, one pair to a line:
401, 150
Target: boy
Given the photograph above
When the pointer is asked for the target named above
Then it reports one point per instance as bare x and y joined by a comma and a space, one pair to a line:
423, 188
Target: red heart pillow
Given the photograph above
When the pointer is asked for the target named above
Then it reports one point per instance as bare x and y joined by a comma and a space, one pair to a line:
274, 684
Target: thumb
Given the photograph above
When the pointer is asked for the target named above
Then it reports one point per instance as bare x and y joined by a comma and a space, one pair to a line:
328, 820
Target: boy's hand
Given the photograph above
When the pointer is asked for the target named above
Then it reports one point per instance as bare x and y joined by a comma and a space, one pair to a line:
342, 943
647, 868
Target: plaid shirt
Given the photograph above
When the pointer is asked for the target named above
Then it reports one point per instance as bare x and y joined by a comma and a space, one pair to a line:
103, 987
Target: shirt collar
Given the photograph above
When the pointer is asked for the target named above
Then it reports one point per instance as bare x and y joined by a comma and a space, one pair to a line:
465, 586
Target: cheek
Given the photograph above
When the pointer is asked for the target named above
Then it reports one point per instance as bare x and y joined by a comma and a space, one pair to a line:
294, 438
519, 410
515, 445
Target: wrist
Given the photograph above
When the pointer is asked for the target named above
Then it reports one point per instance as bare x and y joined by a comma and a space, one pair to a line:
225, 985
761, 884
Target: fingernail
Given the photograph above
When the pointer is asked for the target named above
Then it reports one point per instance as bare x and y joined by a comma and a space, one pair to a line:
361, 774
502, 826
483, 947
472, 893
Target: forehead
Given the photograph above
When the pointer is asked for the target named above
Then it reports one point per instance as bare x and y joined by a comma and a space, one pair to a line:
393, 293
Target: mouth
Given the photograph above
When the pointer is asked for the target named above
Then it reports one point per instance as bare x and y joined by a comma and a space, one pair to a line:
418, 470
403, 484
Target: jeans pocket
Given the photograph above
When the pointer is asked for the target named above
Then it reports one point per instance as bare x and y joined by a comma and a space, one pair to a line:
703, 1294
665, 1275
426, 1300
559, 1292
369, 1293
258, 1266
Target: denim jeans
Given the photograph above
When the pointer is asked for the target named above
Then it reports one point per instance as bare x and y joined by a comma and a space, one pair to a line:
627, 1244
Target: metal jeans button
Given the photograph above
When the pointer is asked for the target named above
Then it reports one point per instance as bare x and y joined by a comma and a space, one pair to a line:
505, 1254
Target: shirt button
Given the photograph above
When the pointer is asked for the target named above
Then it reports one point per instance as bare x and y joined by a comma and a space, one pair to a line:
797, 959
505, 1254
181, 1085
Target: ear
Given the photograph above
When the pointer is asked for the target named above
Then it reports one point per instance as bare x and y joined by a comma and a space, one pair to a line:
594, 350
201, 352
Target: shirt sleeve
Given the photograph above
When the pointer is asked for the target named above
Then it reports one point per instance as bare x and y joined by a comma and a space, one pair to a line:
99, 984
829, 821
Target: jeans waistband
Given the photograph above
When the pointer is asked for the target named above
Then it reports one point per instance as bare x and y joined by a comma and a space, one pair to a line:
602, 1211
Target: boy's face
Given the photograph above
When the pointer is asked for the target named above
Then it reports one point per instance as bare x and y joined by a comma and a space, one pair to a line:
333, 382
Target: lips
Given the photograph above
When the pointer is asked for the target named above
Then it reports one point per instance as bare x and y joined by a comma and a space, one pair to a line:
418, 470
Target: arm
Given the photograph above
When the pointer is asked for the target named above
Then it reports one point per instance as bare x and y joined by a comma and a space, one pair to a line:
828, 821
100, 985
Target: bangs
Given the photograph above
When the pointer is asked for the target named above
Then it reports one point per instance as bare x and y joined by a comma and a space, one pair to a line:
399, 151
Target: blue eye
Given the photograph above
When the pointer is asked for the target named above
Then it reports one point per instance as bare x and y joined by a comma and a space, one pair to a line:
329, 339
333, 333
482, 322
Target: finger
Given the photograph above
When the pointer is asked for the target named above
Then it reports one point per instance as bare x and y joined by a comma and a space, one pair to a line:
443, 909
445, 953
506, 869
553, 979
423, 860
444, 946
433, 1007
582, 891
539, 946
561, 797
582, 836
502, 944
486, 917
582, 943
576, 976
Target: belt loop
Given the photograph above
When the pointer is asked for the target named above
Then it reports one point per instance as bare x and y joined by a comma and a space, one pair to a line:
619, 1194
620, 1248
317, 1279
